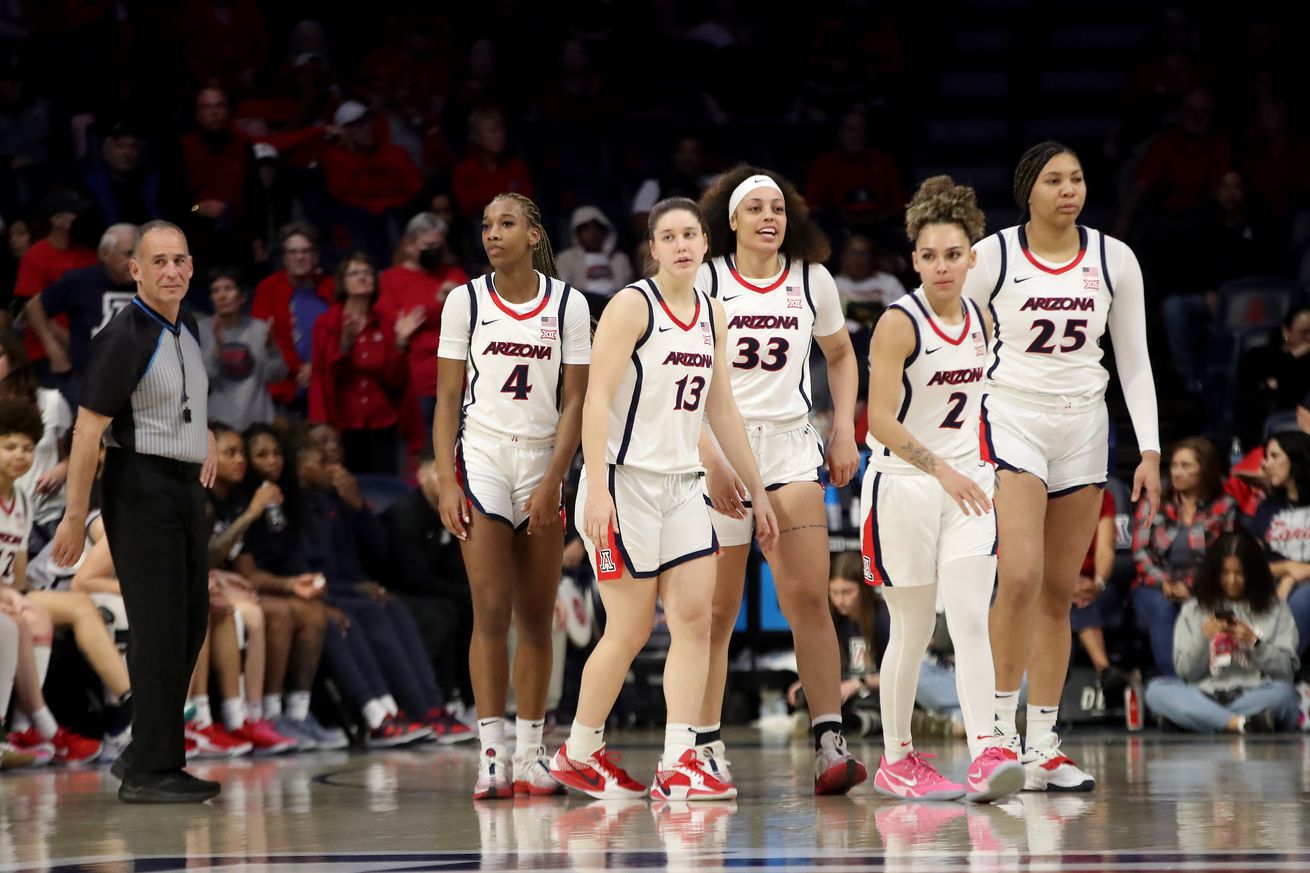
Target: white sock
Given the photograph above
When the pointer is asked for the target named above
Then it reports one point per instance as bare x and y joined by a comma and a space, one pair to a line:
234, 713
678, 738
204, 716
41, 653
45, 723
20, 722
585, 741
1007, 705
272, 706
967, 593
374, 712
491, 732
527, 735
702, 730
255, 709
390, 703
914, 615
297, 703
1041, 721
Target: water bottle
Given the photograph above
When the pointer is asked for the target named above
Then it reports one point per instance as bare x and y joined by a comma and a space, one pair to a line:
1234, 454
275, 517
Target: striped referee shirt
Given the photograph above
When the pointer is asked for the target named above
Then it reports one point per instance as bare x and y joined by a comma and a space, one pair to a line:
145, 372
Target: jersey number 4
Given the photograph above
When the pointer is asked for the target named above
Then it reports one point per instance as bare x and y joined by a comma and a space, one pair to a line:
689, 390
748, 354
1075, 333
517, 384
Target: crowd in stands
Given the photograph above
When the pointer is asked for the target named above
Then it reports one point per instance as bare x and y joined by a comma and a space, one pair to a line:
330, 176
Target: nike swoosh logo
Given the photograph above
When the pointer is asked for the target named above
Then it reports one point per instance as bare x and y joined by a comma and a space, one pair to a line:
733, 297
907, 782
662, 329
1017, 280
591, 779
930, 351
1044, 711
493, 321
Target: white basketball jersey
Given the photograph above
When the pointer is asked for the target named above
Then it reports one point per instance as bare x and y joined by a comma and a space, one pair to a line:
44, 575
1048, 322
15, 526
516, 355
771, 328
941, 389
656, 417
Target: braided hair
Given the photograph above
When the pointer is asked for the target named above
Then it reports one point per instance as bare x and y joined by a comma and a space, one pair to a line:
543, 256
1030, 167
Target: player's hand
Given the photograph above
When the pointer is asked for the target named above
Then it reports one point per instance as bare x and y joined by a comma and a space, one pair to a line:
209, 469
766, 523
843, 457
1085, 591
599, 517
1146, 480
305, 586
967, 494
727, 492
70, 539
453, 506
542, 506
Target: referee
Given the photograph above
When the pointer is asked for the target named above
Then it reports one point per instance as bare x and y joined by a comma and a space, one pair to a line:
145, 395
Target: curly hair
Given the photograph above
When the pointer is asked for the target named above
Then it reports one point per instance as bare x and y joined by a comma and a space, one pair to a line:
18, 415
21, 381
804, 239
940, 201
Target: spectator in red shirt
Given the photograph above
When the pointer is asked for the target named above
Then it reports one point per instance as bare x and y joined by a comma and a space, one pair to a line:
860, 183
211, 182
1181, 167
359, 370
486, 170
292, 299
47, 260
370, 179
419, 282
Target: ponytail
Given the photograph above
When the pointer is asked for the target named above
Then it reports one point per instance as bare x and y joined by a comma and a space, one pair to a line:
543, 255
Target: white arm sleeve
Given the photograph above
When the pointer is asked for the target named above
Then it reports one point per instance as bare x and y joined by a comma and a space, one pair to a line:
575, 345
1132, 359
455, 325
981, 281
828, 317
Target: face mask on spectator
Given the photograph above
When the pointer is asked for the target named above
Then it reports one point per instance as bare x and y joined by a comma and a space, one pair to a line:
430, 259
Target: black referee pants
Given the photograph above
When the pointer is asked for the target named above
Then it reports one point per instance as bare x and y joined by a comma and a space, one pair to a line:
154, 512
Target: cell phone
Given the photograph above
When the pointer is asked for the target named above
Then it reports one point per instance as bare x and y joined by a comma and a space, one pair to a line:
1223, 613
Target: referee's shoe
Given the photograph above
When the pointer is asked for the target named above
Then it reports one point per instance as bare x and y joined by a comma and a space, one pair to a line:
178, 786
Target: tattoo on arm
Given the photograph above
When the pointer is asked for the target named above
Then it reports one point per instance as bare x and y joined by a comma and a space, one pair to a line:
920, 457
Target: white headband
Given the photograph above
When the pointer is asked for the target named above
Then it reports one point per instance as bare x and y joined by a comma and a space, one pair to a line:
739, 193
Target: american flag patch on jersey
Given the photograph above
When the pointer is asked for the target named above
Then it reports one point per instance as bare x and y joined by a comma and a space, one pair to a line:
549, 327
1091, 279
793, 297
706, 333
979, 346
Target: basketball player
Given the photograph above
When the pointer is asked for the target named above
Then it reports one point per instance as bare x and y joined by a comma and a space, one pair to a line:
927, 497
779, 300
523, 340
1053, 288
659, 375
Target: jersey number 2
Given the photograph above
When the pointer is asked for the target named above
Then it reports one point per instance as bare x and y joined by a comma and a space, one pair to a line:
689, 389
517, 383
955, 418
1075, 330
